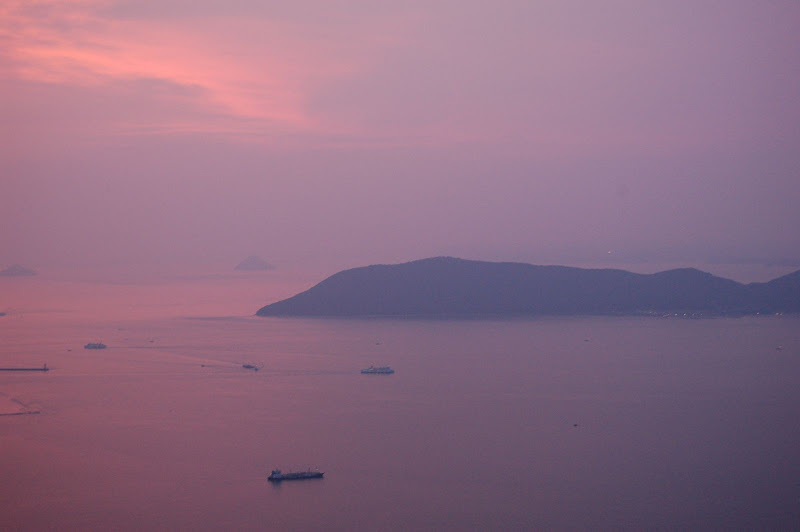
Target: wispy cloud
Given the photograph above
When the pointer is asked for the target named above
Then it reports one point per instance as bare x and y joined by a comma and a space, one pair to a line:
240, 73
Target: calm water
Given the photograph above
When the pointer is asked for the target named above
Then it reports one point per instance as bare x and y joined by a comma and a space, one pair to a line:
681, 424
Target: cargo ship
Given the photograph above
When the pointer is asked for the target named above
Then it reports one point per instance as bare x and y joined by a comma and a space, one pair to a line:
378, 369
277, 475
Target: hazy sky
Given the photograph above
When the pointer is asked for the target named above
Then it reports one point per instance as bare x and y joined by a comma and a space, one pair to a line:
351, 132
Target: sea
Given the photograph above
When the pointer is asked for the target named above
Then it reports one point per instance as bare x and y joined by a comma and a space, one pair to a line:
538, 423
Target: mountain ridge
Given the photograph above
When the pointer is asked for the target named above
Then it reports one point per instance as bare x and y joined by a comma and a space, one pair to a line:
449, 286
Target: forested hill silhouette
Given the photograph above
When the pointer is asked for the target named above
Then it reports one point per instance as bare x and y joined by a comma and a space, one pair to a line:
446, 286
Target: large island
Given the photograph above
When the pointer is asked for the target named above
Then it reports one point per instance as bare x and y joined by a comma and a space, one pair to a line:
446, 286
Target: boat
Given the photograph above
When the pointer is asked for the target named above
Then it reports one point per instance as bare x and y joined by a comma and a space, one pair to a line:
250, 366
43, 368
277, 475
377, 369
95, 345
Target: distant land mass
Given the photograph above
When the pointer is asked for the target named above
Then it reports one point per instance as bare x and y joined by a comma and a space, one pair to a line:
16, 270
253, 263
446, 286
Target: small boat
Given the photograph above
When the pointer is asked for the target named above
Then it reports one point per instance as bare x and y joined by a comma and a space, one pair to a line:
250, 366
377, 369
277, 475
95, 345
43, 368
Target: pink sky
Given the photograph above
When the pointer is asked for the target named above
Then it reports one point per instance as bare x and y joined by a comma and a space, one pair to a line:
343, 133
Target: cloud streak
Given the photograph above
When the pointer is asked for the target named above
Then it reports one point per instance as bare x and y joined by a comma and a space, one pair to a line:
239, 72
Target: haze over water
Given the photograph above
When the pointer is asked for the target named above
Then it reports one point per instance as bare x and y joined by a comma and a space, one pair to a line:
681, 424
148, 145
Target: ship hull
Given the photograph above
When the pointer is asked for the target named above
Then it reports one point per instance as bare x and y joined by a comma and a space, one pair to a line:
377, 370
294, 476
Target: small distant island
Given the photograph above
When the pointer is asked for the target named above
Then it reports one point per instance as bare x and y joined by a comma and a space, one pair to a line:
254, 263
447, 286
15, 270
